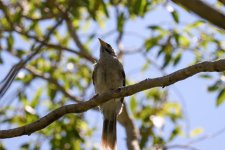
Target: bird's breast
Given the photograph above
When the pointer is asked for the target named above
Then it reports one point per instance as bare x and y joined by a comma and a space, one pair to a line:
108, 78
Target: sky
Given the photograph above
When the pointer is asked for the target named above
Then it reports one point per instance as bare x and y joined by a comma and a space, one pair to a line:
198, 104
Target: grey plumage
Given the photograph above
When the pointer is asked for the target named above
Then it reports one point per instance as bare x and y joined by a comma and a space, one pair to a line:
108, 74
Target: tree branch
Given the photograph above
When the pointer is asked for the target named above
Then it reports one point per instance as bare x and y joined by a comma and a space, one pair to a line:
202, 9
222, 1
53, 81
124, 118
73, 34
6, 82
131, 131
72, 31
58, 47
207, 66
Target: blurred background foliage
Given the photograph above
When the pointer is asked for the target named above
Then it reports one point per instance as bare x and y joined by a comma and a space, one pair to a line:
65, 32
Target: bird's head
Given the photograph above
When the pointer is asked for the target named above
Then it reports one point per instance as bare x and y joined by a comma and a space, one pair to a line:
106, 48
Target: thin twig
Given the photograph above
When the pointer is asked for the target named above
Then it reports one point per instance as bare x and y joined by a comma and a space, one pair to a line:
205, 137
175, 146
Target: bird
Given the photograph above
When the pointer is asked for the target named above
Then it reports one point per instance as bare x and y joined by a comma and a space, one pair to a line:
108, 74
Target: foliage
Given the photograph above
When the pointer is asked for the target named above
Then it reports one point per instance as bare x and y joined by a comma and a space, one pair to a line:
61, 73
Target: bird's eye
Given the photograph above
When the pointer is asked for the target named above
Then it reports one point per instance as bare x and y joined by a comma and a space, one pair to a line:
108, 45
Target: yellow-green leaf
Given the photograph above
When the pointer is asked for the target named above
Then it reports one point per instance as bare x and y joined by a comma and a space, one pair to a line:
133, 104
196, 132
220, 97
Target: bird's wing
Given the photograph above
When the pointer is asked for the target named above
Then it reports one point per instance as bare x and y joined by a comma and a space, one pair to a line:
94, 73
124, 79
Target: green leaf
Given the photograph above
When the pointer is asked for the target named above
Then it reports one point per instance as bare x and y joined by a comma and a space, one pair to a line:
175, 16
176, 37
194, 25
173, 110
158, 140
184, 41
154, 27
105, 8
177, 59
220, 97
174, 133
52, 91
23, 99
24, 146
167, 60
153, 94
173, 12
37, 30
10, 42
36, 98
20, 52
206, 76
137, 6
152, 42
133, 104
120, 22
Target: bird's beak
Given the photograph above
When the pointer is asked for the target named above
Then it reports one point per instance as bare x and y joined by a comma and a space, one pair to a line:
102, 42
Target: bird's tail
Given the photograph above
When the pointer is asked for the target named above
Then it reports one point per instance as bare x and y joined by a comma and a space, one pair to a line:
109, 135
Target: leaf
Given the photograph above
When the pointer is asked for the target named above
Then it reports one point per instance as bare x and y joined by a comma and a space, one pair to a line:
174, 133
10, 42
133, 104
25, 146
36, 98
86, 26
20, 52
160, 52
137, 7
177, 59
167, 59
175, 16
120, 22
173, 12
52, 91
196, 132
173, 110
1, 60
151, 42
153, 94
194, 25
220, 97
145, 67
105, 8
23, 99
184, 41
206, 76
37, 30
91, 37
158, 140
154, 27
176, 37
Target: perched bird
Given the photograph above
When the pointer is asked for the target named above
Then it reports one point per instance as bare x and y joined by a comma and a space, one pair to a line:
108, 74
